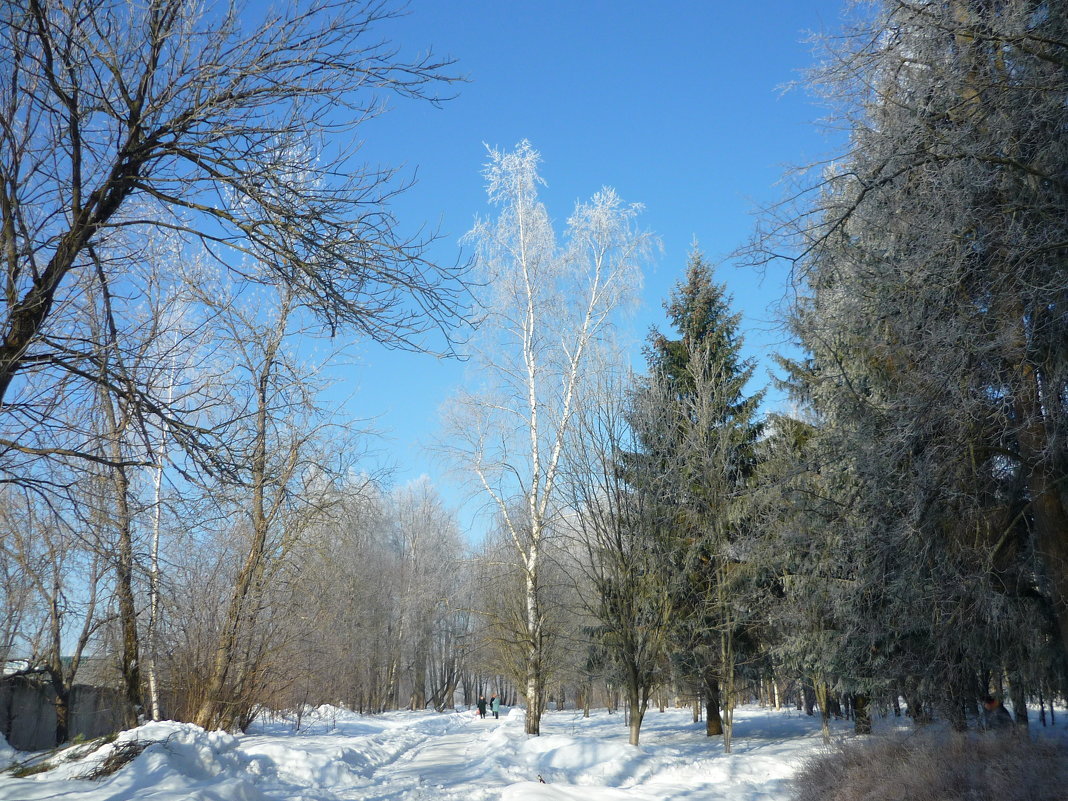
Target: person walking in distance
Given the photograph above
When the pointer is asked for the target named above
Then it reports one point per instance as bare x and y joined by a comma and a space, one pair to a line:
482, 706
495, 707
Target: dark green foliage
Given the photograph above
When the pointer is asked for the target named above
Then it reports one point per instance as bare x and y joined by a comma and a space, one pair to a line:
927, 543
706, 444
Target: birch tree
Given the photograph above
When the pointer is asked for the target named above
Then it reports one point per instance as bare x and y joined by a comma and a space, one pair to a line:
140, 343
546, 309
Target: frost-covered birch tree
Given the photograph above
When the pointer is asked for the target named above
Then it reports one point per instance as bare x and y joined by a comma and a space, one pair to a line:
547, 308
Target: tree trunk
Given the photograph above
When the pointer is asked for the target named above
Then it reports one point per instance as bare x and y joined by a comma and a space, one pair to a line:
61, 703
210, 714
1019, 703
727, 659
129, 665
634, 724
389, 698
825, 714
915, 706
636, 706
1051, 525
535, 677
1044, 483
153, 573
861, 715
153, 589
713, 721
419, 675
534, 699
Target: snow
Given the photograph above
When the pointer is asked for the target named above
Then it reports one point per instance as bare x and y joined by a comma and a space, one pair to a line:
339, 755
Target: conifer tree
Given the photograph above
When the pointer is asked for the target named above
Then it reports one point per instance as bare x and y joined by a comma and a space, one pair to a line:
709, 448
932, 302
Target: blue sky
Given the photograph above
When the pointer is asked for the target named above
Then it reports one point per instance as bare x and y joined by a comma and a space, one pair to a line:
677, 105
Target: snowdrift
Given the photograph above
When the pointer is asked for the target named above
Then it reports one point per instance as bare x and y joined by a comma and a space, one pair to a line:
337, 755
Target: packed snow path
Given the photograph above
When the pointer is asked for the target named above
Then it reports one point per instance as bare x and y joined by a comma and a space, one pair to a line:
340, 756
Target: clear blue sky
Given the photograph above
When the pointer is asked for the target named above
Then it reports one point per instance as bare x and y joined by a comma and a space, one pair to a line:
678, 105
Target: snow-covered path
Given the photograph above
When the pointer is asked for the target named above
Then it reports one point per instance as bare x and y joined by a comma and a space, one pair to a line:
444, 761
339, 756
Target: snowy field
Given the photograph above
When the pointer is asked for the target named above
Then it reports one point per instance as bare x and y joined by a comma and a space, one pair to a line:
406, 755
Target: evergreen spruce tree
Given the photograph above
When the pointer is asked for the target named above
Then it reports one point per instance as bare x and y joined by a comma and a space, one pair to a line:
708, 447
933, 304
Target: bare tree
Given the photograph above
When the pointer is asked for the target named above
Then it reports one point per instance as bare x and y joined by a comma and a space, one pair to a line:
136, 343
284, 478
16, 610
378, 621
182, 116
427, 542
63, 566
546, 309
622, 534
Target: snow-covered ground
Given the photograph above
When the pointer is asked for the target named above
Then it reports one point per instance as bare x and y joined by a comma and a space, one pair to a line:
405, 755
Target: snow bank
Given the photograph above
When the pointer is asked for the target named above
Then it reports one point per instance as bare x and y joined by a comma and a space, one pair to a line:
7, 753
535, 791
306, 767
424, 756
179, 761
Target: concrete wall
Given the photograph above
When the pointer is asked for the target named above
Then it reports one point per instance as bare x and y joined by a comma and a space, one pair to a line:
28, 715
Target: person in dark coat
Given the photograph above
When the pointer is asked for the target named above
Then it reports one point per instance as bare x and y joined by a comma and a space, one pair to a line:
482, 706
995, 716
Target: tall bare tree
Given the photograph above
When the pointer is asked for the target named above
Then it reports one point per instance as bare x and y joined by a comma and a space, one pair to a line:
283, 480
189, 117
622, 537
546, 309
